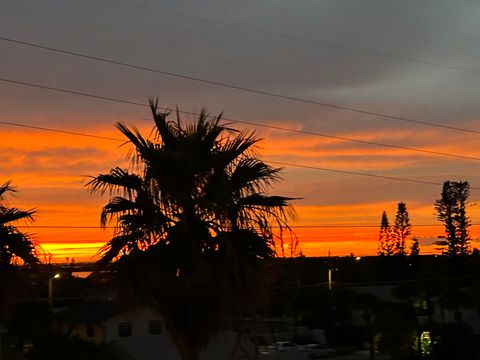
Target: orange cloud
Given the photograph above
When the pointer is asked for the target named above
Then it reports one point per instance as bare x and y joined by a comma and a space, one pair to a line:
49, 171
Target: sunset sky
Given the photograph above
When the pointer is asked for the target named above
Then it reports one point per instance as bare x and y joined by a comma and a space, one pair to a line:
409, 59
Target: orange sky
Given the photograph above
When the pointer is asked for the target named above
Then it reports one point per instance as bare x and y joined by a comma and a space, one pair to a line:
405, 59
50, 171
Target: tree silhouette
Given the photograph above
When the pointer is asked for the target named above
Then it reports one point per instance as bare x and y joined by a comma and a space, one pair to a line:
401, 229
451, 210
415, 247
194, 222
386, 245
14, 243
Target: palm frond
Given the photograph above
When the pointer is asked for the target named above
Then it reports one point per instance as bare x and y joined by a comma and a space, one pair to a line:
5, 188
252, 171
133, 135
116, 207
267, 201
117, 180
13, 214
113, 248
164, 131
19, 244
232, 149
14, 243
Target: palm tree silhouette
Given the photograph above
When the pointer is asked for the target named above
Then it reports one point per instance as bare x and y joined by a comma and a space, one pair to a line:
194, 222
14, 243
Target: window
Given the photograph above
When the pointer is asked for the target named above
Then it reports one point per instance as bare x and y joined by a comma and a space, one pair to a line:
154, 327
124, 329
90, 331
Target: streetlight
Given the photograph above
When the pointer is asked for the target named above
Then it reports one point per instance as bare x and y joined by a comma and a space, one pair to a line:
50, 290
330, 278
330, 282
330, 267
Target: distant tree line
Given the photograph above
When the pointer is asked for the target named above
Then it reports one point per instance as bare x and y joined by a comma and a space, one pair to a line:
451, 210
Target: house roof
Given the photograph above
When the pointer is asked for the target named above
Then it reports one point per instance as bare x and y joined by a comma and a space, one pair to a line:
92, 311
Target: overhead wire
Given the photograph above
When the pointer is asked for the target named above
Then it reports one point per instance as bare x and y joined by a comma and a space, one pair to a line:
271, 161
384, 177
130, 102
296, 37
379, 283
239, 87
326, 226
359, 141
74, 92
49, 129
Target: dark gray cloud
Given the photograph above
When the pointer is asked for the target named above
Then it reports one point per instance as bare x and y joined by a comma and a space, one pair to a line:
437, 31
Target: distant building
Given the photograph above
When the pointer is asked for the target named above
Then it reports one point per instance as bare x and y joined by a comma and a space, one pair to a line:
137, 332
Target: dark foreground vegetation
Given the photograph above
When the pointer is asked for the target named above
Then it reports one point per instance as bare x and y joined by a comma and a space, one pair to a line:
382, 304
386, 303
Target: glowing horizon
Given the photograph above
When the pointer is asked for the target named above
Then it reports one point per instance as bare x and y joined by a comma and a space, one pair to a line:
345, 226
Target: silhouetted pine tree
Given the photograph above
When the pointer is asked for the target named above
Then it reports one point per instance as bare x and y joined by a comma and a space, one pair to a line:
386, 246
401, 229
451, 210
415, 248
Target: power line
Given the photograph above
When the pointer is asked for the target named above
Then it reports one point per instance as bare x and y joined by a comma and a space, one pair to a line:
64, 227
361, 226
271, 161
298, 38
325, 226
359, 173
382, 282
129, 102
60, 131
238, 87
366, 142
72, 92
